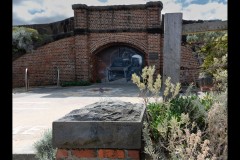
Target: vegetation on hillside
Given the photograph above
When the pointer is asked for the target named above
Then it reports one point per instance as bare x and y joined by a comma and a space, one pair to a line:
25, 39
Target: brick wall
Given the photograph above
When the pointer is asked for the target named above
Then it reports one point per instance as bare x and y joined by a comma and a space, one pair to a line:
82, 57
101, 41
42, 64
95, 29
189, 64
101, 154
118, 19
99, 27
124, 17
154, 50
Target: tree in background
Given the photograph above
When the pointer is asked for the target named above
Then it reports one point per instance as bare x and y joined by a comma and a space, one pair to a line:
23, 39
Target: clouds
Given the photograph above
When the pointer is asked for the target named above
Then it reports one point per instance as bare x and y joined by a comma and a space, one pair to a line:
209, 11
51, 10
47, 11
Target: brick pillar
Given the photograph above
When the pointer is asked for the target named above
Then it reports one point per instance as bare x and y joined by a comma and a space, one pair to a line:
81, 41
154, 37
154, 50
80, 16
82, 57
154, 14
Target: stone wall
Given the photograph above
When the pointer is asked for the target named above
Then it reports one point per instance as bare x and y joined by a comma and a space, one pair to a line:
54, 28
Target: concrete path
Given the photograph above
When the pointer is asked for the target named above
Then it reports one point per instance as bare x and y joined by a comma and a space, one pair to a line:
35, 110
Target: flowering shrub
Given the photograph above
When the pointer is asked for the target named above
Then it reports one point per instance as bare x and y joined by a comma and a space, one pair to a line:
181, 127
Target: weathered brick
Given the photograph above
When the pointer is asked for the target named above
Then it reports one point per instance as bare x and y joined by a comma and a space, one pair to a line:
133, 154
85, 153
110, 153
61, 153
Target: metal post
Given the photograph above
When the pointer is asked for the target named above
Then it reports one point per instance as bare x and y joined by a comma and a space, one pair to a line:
58, 72
26, 79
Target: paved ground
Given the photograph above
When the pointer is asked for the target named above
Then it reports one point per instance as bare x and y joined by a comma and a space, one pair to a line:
35, 110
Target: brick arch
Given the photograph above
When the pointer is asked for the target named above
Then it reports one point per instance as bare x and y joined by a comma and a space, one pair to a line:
106, 42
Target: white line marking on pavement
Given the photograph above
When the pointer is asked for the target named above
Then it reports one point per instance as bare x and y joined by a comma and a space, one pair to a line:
28, 129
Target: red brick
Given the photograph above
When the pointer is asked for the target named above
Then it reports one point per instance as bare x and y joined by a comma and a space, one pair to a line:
61, 153
85, 153
110, 153
71, 54
134, 154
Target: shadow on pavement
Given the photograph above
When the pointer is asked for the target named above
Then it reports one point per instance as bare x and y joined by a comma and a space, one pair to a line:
95, 90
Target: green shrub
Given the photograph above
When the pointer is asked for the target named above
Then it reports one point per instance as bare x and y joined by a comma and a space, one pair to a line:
23, 39
207, 100
157, 114
43, 147
178, 126
189, 105
160, 112
75, 83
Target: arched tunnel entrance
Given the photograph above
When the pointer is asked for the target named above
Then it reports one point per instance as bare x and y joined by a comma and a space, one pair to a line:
118, 63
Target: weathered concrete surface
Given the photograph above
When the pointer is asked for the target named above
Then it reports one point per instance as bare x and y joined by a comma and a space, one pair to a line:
84, 128
106, 111
35, 110
172, 46
204, 27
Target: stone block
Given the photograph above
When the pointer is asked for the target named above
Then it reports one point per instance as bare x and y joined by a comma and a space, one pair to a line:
107, 124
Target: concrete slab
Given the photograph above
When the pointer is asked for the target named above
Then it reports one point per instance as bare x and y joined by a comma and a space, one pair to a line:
35, 110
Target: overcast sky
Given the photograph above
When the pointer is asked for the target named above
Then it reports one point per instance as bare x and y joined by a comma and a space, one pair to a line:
47, 11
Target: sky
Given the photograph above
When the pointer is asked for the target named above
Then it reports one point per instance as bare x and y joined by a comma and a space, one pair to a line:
48, 11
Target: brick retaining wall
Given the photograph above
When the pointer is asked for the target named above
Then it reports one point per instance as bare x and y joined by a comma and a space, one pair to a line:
42, 64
